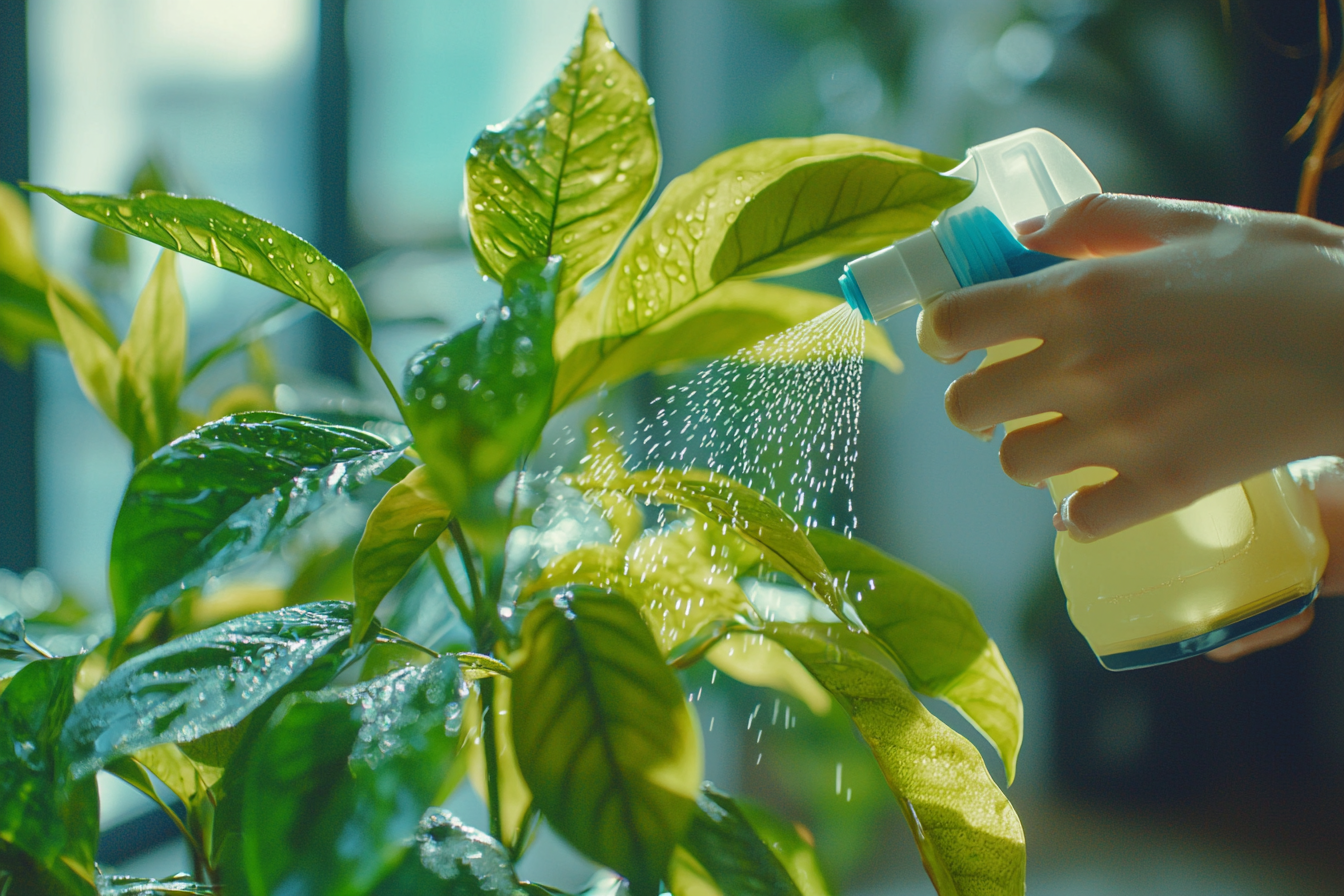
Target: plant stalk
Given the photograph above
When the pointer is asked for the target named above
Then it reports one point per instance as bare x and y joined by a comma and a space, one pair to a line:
490, 746
454, 593
387, 381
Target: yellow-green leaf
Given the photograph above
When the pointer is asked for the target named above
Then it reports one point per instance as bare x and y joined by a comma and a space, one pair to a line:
753, 659
733, 315
152, 358
210, 231
967, 832
408, 519
604, 736
188, 779
668, 260
97, 367
822, 209
568, 174
934, 636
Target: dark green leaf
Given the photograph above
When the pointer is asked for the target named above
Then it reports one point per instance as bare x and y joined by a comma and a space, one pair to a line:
797, 855
568, 174
824, 208
220, 494
206, 681
408, 519
22, 875
604, 737
725, 844
43, 814
474, 862
210, 231
966, 830
336, 784
480, 400
933, 634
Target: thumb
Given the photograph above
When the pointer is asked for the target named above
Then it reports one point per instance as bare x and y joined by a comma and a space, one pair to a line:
1104, 224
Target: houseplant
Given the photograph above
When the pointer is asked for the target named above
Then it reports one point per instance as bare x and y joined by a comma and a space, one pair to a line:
310, 742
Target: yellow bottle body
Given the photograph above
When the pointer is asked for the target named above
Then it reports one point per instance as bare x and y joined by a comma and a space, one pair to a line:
1230, 563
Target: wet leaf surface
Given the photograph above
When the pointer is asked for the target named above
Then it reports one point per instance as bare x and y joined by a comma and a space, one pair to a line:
479, 401
206, 681
45, 816
723, 842
568, 174
218, 234
472, 861
604, 737
336, 785
119, 885
220, 494
408, 519
933, 634
967, 832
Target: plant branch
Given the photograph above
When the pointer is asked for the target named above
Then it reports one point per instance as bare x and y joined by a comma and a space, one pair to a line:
387, 381
454, 593
460, 539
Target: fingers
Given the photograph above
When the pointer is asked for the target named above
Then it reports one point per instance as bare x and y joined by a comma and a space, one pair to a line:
1262, 640
1095, 511
1032, 454
984, 315
1115, 224
1008, 390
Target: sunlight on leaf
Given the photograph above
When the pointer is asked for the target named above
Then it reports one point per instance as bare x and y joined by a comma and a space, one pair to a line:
568, 174
514, 797
933, 634
408, 519
151, 360
97, 367
734, 315
605, 739
967, 832
210, 231
752, 659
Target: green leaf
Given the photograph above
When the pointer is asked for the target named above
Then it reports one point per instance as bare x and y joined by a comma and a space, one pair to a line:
604, 737
479, 401
151, 360
934, 636
514, 797
408, 519
967, 832
220, 494
206, 681
757, 661
822, 209
22, 875
109, 246
725, 844
797, 855
44, 815
95, 361
668, 260
210, 231
751, 515
568, 174
731, 316
188, 779
336, 783
24, 316
475, 863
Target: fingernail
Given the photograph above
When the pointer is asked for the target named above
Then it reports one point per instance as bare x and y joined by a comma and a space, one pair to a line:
1030, 225
1066, 517
1058, 523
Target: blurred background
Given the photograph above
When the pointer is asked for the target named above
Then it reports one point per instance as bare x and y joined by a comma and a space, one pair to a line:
347, 121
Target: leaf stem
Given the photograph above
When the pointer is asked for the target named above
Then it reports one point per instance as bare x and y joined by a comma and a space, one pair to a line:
387, 381
460, 539
454, 593
489, 746
390, 637
38, 649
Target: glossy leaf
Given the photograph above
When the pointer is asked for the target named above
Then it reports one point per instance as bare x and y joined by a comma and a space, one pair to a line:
568, 174
408, 519
755, 518
45, 816
218, 234
732, 316
797, 855
967, 832
668, 260
821, 209
151, 360
119, 885
514, 797
934, 636
109, 246
479, 401
605, 739
724, 843
336, 783
205, 682
220, 494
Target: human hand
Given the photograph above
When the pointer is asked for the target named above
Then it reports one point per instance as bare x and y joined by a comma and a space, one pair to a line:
1192, 346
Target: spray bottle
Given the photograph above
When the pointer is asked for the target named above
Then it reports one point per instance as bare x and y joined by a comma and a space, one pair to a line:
1230, 564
